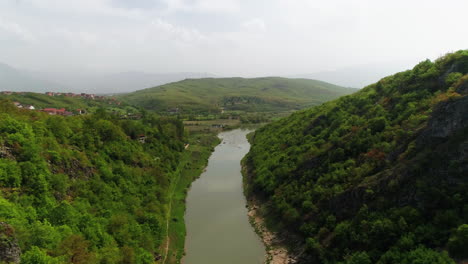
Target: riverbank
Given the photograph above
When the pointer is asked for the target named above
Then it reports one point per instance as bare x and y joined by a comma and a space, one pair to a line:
193, 162
277, 251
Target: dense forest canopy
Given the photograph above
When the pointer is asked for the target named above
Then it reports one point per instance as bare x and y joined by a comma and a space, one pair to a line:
379, 176
85, 189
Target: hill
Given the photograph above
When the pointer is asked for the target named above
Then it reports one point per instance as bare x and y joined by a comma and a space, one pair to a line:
380, 176
90, 188
69, 101
237, 94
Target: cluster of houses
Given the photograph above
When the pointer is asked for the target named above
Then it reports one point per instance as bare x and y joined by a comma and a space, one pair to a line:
111, 100
55, 111
10, 92
62, 111
82, 95
29, 107
50, 111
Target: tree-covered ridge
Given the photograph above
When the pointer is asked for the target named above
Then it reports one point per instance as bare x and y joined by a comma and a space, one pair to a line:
86, 189
253, 95
379, 176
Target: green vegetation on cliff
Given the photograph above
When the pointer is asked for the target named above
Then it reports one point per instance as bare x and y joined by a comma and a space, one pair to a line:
380, 176
87, 189
210, 95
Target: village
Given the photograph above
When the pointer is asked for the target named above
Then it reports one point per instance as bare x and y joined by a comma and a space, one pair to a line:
61, 111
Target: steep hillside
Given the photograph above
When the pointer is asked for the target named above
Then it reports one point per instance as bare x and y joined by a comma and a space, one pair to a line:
380, 176
87, 189
254, 95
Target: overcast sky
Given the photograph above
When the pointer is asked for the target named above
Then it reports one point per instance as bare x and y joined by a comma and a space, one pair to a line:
226, 37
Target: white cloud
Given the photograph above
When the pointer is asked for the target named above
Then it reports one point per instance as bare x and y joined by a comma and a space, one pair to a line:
204, 6
227, 37
255, 25
16, 30
172, 32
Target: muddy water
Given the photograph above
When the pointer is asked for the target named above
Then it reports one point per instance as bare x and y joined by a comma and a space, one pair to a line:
218, 230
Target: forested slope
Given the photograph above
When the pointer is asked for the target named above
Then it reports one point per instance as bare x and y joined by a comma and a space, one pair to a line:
380, 176
85, 189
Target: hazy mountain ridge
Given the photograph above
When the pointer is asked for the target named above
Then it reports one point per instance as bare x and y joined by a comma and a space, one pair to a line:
357, 76
13, 79
122, 82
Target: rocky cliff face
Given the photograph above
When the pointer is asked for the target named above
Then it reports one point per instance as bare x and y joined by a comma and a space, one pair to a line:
448, 118
9, 249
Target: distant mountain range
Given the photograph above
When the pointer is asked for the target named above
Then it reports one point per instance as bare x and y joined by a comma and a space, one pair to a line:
357, 76
123, 82
12, 79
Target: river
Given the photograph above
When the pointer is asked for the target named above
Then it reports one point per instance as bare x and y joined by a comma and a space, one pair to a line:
218, 229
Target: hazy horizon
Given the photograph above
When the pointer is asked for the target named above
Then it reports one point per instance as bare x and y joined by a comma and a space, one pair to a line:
226, 37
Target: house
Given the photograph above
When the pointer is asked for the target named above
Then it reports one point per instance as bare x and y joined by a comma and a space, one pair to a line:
18, 104
50, 93
54, 111
50, 111
7, 92
142, 138
88, 96
61, 111
173, 110
29, 107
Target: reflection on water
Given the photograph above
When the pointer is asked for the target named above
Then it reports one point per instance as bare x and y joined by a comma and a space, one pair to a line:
218, 231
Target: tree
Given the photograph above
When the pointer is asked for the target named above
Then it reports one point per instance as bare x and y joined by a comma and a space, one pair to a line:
458, 243
423, 255
75, 247
37, 256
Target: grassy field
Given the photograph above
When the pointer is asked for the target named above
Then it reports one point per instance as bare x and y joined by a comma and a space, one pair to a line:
214, 126
215, 95
193, 162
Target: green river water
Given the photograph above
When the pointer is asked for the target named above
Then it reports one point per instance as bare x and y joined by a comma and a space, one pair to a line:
218, 230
